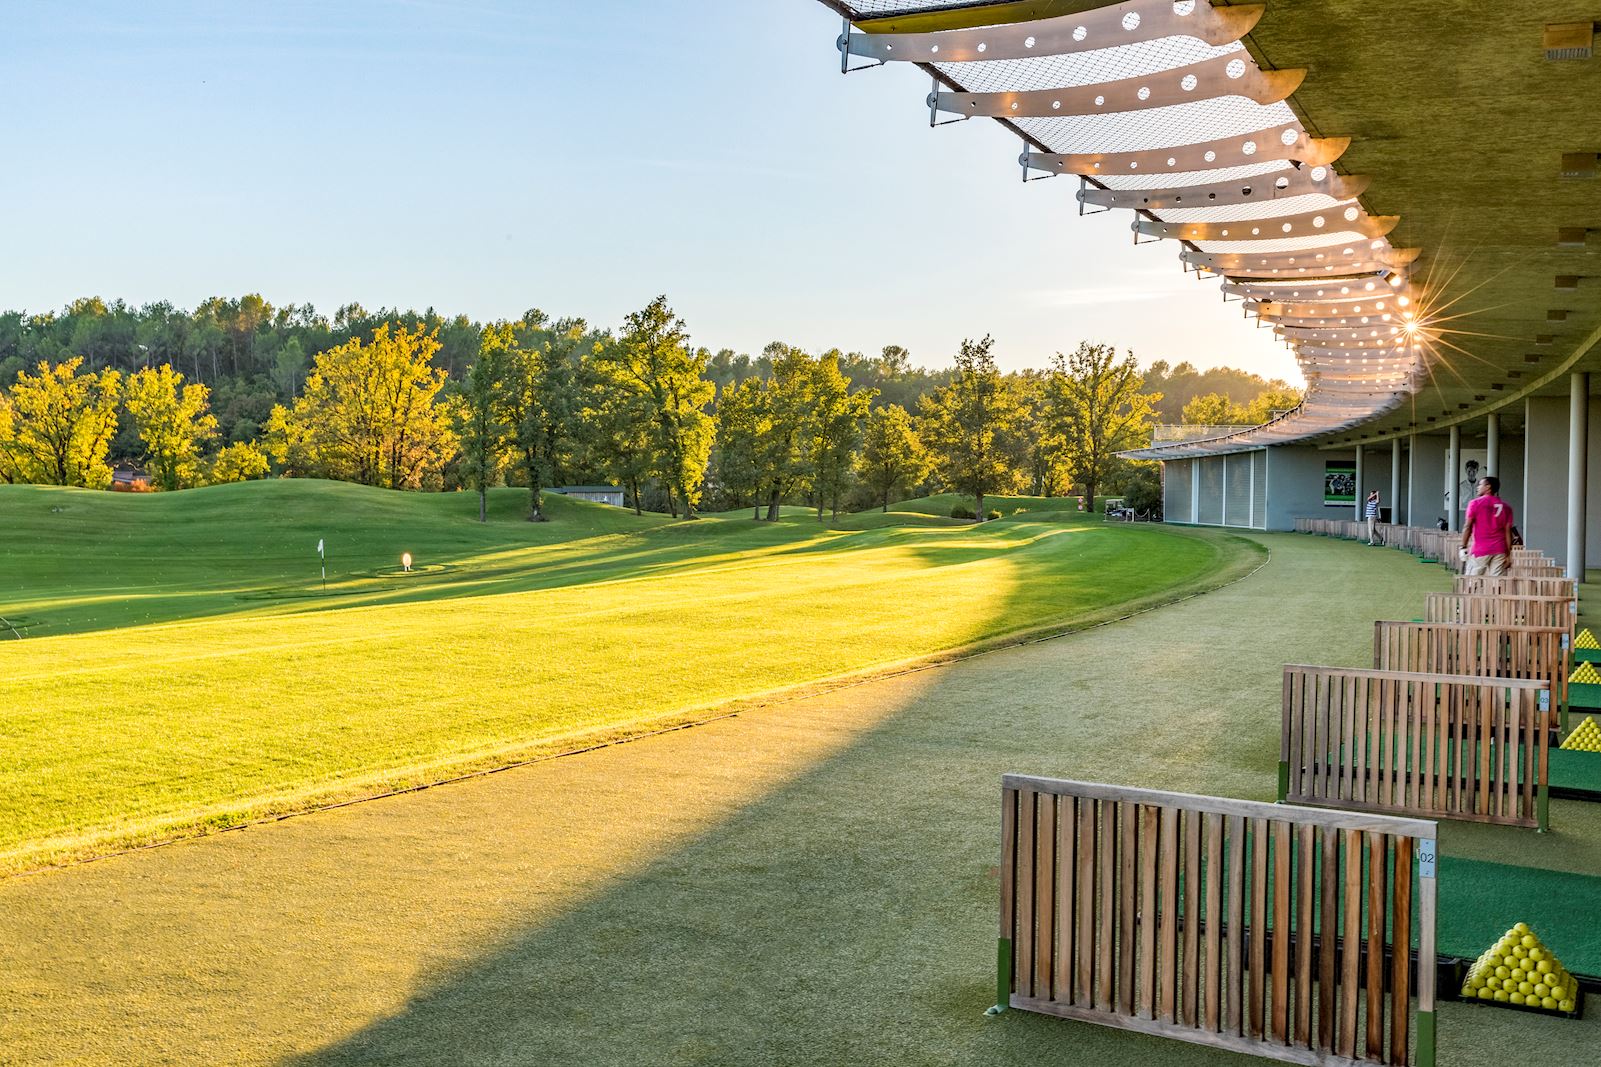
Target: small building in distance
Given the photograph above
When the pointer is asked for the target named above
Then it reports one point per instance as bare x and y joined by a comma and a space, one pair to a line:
127, 478
599, 494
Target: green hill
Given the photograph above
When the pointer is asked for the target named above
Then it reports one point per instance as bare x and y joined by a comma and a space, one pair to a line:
181, 666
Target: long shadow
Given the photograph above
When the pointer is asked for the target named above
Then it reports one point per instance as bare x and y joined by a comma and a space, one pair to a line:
846, 917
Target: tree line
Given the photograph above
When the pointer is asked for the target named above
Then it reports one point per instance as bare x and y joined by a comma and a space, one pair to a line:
415, 401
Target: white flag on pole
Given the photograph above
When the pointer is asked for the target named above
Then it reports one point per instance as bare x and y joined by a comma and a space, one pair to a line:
319, 548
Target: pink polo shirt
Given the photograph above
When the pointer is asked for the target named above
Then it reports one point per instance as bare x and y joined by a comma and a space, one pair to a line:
1492, 518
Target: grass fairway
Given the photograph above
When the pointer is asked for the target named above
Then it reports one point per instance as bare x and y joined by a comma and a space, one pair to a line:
808, 883
182, 668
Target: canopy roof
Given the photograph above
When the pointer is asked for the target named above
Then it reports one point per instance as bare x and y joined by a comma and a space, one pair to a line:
1406, 193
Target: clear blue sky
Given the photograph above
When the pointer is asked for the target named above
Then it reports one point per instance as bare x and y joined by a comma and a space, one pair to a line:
485, 156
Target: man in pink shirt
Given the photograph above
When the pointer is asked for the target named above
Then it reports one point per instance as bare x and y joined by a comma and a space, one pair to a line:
1487, 530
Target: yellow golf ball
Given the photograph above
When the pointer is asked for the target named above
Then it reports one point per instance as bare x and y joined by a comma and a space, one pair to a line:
1565, 1005
1501, 995
1548, 1003
1516, 998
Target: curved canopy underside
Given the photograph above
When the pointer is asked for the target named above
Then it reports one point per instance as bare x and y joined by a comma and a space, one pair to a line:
1175, 110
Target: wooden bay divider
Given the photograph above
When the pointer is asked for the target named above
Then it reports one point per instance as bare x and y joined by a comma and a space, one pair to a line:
1436, 745
1483, 650
1517, 585
1502, 610
1278, 931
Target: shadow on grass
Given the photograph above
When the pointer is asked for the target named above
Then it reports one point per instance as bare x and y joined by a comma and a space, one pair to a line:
847, 916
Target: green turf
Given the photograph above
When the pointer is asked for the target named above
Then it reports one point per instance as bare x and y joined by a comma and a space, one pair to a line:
1480, 901
183, 670
811, 882
1575, 773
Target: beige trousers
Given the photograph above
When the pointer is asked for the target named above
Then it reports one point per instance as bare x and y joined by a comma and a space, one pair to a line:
1487, 564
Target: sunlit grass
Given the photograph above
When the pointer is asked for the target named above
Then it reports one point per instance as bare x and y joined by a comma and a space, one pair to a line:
220, 686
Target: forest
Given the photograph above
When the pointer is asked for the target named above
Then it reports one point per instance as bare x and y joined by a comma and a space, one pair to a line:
238, 389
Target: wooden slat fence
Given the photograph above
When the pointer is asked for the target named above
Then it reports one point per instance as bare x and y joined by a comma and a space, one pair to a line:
1423, 541
1436, 745
1539, 653
1277, 931
1517, 585
1502, 610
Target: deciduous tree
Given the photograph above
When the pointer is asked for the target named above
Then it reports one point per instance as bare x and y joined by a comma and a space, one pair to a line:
174, 424
973, 426
653, 358
837, 415
57, 426
238, 462
784, 452
1214, 409
893, 456
742, 422
369, 413
1097, 402
478, 426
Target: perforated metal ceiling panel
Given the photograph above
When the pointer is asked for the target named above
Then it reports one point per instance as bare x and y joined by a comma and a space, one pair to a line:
1160, 107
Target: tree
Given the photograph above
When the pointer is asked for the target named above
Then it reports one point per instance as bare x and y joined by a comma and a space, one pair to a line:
893, 455
1214, 409
617, 434
785, 455
1270, 402
973, 426
1097, 403
238, 462
742, 422
1044, 452
482, 434
653, 358
837, 415
174, 424
526, 403
57, 426
368, 413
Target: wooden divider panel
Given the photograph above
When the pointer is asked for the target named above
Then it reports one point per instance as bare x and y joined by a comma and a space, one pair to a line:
1268, 929
1539, 653
1502, 610
1516, 585
1451, 746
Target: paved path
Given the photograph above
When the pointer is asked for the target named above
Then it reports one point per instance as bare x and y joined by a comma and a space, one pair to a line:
810, 882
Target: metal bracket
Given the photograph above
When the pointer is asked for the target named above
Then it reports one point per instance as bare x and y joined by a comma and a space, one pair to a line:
933, 107
844, 46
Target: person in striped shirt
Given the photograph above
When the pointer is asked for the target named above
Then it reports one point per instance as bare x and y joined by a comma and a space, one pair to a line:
1371, 511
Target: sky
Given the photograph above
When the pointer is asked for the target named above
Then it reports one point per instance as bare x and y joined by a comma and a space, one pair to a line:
579, 156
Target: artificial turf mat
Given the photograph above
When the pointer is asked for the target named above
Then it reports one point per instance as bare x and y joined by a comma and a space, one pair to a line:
1479, 901
1575, 774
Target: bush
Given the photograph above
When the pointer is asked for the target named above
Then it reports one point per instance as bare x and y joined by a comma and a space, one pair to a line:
1143, 491
959, 512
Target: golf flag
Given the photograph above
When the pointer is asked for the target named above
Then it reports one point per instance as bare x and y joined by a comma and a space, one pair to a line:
319, 548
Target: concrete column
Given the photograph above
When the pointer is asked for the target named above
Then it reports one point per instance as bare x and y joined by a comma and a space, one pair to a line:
1412, 480
1492, 444
1195, 492
1578, 452
1395, 481
1361, 493
1453, 476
